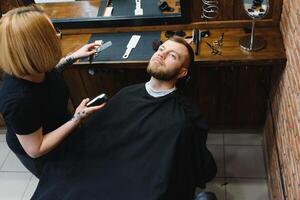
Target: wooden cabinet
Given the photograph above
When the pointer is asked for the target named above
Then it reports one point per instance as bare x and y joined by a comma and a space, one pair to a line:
232, 96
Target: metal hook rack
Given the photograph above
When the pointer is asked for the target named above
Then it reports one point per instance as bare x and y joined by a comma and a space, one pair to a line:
210, 9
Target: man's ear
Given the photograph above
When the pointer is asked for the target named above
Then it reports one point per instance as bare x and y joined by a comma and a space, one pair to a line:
183, 72
189, 40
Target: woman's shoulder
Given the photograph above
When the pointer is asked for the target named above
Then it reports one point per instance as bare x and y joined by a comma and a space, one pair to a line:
14, 93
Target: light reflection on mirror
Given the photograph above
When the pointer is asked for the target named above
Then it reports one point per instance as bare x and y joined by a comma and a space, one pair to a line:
256, 9
68, 9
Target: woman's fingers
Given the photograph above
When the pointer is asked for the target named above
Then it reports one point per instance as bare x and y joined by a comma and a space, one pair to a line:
85, 51
82, 111
92, 45
94, 108
83, 103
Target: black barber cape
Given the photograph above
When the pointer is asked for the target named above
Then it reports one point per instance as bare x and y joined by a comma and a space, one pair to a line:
136, 148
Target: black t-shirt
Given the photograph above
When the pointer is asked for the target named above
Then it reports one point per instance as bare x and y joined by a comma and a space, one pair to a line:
26, 106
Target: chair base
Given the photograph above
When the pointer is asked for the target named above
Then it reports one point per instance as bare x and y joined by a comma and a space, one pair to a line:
206, 196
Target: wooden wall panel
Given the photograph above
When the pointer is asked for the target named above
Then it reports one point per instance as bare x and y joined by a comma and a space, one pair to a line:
7, 5
250, 89
230, 96
75, 85
226, 10
82, 84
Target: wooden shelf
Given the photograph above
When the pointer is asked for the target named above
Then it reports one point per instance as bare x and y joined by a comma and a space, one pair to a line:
273, 53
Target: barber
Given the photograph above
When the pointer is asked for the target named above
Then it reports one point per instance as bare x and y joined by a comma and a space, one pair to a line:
34, 96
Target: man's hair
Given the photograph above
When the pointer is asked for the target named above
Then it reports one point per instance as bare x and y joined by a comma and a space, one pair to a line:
189, 48
28, 42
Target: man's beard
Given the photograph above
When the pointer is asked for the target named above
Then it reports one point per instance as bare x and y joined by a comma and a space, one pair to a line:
160, 73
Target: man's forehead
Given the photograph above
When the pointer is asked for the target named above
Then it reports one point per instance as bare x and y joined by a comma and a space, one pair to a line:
176, 46
172, 43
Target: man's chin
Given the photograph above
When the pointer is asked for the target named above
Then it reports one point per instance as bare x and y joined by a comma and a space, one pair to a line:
160, 76
153, 69
157, 71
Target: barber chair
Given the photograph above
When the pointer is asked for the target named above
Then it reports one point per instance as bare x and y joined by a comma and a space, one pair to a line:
206, 196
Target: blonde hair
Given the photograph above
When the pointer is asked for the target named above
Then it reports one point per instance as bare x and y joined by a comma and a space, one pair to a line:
28, 42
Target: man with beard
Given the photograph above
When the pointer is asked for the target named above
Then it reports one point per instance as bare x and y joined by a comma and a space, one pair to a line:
147, 143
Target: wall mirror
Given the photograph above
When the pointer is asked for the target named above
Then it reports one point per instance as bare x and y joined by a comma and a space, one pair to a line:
108, 13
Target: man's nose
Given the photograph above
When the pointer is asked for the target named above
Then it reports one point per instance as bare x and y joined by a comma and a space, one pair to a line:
162, 54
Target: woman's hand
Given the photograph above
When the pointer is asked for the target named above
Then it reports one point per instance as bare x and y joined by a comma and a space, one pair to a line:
82, 111
85, 51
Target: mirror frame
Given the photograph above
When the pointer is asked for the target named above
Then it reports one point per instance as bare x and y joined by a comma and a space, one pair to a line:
95, 22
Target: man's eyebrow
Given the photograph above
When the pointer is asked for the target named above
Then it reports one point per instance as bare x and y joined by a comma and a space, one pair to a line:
162, 46
176, 53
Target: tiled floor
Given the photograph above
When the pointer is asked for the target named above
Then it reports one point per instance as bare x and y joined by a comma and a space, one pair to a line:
241, 170
239, 156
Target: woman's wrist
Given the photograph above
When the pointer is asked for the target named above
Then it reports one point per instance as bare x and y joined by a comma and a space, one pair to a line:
79, 115
70, 59
75, 120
